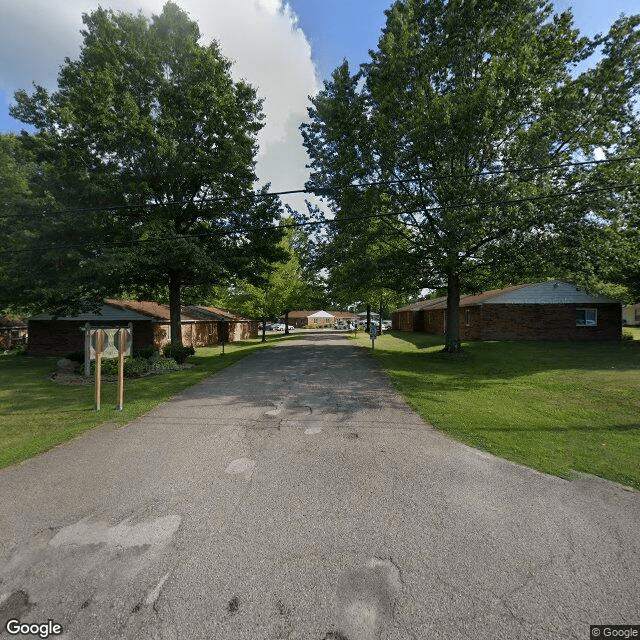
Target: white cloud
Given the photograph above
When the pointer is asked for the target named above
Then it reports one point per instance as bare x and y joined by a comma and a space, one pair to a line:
261, 37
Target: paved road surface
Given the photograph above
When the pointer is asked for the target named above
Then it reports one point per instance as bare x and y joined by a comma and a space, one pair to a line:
295, 496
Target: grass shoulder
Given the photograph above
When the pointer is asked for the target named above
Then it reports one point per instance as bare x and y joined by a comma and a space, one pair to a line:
36, 413
554, 406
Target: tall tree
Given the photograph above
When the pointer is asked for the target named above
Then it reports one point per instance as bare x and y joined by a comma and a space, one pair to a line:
149, 125
459, 96
282, 288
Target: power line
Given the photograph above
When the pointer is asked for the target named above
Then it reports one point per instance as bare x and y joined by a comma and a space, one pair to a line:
266, 228
126, 209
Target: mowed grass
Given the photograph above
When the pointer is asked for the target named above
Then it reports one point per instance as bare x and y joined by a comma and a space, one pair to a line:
554, 406
37, 413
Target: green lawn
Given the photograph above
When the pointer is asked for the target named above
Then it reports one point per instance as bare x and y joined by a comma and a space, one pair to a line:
553, 406
632, 331
36, 413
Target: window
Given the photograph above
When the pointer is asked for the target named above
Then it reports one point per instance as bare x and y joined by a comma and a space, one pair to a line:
467, 317
586, 317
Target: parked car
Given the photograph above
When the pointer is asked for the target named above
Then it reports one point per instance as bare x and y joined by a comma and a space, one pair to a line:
279, 326
341, 325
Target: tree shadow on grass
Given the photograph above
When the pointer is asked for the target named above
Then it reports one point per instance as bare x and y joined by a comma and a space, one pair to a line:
484, 360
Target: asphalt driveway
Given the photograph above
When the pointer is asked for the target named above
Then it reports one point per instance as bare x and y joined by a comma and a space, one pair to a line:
295, 496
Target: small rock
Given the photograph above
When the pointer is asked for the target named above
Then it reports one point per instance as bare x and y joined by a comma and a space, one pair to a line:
66, 366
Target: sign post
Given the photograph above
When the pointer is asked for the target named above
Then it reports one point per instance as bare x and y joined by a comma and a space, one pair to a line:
373, 332
98, 344
122, 340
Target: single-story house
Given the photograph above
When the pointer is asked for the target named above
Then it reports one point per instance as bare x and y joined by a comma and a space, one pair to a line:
13, 331
310, 318
344, 316
201, 327
631, 315
538, 311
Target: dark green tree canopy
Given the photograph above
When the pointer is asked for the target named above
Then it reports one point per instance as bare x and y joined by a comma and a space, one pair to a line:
149, 125
457, 99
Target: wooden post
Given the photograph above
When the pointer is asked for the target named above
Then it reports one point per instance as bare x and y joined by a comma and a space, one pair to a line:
87, 349
121, 349
98, 367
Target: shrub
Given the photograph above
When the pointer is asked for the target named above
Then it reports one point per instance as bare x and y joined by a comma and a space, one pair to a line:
76, 356
163, 364
108, 367
135, 366
627, 335
146, 352
179, 354
132, 366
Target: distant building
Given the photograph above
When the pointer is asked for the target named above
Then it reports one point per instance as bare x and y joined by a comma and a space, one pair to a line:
631, 315
201, 327
310, 318
538, 311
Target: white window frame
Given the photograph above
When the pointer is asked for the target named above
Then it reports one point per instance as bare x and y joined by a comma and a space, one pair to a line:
587, 321
467, 317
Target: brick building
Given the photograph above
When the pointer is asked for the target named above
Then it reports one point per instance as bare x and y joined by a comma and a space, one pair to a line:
539, 311
201, 327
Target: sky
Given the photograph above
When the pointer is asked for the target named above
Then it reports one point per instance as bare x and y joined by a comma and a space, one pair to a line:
283, 48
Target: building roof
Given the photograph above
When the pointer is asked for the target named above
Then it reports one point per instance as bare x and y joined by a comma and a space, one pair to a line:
154, 310
130, 310
214, 313
552, 292
105, 313
321, 314
301, 314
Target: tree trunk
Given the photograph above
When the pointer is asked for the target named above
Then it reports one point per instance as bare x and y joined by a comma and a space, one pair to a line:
264, 329
368, 318
286, 323
452, 340
175, 287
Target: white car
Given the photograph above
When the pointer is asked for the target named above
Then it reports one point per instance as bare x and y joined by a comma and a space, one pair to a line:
281, 327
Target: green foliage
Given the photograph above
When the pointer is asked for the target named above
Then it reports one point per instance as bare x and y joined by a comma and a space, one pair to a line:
162, 364
149, 122
456, 97
178, 353
75, 356
146, 352
283, 284
135, 366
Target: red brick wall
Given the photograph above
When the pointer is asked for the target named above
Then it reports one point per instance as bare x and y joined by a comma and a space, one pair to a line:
549, 322
242, 330
59, 337
529, 322
407, 321
433, 321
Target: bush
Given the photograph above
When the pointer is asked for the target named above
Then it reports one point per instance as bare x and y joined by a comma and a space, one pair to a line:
627, 335
76, 356
108, 367
163, 364
135, 366
146, 352
179, 354
132, 366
